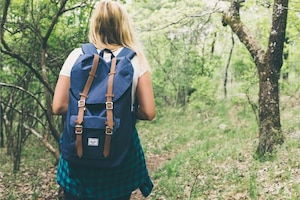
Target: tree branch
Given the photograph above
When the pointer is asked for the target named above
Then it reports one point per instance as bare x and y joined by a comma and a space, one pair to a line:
51, 125
26, 91
232, 18
27, 64
3, 21
52, 150
54, 21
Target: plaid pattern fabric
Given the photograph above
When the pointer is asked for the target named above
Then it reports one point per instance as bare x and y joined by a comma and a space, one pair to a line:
107, 183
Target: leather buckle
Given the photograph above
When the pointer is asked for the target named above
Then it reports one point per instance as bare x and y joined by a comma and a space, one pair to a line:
109, 105
81, 103
108, 131
78, 129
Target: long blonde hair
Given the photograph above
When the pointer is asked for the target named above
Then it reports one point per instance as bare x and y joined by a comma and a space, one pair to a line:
111, 26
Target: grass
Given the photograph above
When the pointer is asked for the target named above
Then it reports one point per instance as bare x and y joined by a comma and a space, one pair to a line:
204, 155
213, 156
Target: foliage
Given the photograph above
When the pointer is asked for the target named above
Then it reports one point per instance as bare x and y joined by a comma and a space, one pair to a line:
34, 44
242, 65
205, 95
176, 43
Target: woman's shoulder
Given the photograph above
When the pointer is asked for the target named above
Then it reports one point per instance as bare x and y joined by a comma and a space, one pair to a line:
76, 52
70, 61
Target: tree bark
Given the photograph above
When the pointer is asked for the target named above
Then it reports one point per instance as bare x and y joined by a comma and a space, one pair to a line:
268, 65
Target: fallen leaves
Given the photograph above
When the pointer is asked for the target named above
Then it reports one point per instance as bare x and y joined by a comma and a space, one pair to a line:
29, 184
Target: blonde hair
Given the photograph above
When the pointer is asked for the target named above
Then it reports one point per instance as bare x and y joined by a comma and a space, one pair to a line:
111, 26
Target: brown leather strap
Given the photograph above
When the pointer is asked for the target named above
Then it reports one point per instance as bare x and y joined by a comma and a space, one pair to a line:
81, 106
109, 108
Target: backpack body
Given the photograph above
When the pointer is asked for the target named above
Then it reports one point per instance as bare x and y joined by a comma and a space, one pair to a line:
94, 119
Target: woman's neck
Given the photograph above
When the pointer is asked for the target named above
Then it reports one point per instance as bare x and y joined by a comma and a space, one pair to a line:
112, 47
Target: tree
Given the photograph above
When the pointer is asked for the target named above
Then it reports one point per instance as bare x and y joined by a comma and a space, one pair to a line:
35, 39
268, 64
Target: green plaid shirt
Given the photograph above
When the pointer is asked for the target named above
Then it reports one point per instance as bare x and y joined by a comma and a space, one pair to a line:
108, 183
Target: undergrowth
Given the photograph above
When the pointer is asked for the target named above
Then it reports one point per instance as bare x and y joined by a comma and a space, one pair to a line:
213, 155
208, 155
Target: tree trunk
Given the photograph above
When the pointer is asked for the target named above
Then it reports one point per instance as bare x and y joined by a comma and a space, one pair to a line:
270, 133
227, 67
268, 66
1, 123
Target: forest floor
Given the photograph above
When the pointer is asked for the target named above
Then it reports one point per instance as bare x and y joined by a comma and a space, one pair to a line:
154, 162
227, 169
47, 186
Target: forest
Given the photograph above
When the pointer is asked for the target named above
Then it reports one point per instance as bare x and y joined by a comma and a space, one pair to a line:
225, 79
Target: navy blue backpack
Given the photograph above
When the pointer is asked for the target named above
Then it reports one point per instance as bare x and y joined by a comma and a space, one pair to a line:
100, 118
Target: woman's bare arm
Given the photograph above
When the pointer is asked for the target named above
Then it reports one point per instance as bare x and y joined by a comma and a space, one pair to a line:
61, 95
146, 109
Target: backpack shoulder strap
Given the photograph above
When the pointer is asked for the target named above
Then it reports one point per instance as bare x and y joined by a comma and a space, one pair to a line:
81, 106
89, 48
126, 52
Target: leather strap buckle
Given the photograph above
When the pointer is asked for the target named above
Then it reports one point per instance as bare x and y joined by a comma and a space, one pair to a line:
109, 105
108, 131
81, 103
78, 129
